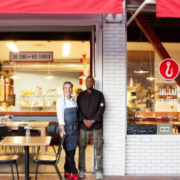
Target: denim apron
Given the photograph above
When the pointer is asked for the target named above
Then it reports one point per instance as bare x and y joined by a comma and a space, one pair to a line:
71, 127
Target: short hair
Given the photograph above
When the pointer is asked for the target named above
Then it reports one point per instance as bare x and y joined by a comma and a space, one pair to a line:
68, 82
90, 77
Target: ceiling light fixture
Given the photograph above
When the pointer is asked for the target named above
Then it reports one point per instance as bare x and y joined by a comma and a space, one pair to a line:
150, 77
12, 47
82, 76
14, 76
48, 76
66, 49
141, 70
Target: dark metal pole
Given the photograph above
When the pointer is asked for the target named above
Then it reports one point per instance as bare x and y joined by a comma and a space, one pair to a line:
26, 162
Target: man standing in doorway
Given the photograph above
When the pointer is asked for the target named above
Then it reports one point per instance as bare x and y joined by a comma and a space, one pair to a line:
91, 106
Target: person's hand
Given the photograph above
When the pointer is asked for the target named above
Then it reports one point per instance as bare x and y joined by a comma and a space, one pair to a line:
63, 134
85, 122
89, 123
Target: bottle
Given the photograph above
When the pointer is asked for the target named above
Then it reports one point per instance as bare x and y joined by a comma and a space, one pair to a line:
27, 133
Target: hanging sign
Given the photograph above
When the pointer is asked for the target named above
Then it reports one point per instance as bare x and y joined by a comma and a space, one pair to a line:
31, 56
169, 69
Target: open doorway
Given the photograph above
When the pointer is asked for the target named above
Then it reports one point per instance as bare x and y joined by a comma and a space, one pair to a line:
37, 83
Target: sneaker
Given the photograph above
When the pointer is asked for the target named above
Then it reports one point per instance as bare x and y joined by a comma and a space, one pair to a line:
99, 175
68, 175
81, 174
75, 177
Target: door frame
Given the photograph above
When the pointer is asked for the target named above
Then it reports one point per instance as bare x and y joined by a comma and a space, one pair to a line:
42, 20
35, 20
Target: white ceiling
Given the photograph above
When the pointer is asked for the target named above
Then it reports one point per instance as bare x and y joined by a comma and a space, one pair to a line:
78, 48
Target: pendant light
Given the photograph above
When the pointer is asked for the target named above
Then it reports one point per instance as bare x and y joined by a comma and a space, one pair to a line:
150, 77
141, 70
14, 76
48, 75
82, 76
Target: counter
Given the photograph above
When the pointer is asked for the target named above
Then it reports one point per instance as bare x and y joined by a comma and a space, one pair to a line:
28, 113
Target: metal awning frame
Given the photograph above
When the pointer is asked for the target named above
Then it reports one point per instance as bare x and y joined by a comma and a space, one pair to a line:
146, 2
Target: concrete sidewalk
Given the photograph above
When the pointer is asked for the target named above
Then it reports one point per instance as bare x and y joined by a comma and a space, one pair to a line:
92, 177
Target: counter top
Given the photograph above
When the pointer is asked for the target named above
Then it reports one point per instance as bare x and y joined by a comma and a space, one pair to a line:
28, 113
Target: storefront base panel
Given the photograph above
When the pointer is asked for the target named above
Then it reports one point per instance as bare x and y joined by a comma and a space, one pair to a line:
152, 155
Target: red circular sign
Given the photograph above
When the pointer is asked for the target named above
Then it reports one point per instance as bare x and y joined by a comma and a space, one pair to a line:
169, 69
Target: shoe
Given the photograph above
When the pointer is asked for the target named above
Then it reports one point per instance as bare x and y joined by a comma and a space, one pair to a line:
81, 174
75, 177
68, 175
99, 175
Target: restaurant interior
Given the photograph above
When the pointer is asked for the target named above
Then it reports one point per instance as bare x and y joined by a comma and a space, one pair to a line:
151, 100
30, 88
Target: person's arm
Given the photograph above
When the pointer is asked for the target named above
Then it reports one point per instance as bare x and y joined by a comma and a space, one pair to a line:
80, 114
60, 116
101, 108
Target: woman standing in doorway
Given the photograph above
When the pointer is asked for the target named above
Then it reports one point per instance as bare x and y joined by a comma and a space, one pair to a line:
68, 121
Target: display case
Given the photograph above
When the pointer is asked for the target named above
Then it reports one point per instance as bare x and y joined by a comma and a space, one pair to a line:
38, 102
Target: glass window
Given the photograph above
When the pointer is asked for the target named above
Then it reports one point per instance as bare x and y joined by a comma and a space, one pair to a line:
152, 102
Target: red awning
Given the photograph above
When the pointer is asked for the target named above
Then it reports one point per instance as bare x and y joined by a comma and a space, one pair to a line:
168, 8
61, 6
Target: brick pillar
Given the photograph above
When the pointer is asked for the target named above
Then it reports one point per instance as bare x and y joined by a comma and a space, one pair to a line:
114, 89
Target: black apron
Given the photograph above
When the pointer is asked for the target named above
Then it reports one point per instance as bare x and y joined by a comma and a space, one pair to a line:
71, 127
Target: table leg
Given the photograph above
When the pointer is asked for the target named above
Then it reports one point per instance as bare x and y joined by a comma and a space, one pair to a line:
27, 163
43, 133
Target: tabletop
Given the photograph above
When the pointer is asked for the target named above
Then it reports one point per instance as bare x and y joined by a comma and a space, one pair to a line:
157, 122
34, 124
24, 141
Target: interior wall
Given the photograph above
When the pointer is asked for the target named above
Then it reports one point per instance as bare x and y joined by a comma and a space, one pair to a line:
32, 78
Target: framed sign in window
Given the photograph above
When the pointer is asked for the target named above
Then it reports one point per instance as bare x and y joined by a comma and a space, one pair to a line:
164, 129
31, 56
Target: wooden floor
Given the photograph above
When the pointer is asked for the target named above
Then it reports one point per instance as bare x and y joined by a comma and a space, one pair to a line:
92, 177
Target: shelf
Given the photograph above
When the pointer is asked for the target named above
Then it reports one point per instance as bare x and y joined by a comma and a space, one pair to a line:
40, 95
31, 106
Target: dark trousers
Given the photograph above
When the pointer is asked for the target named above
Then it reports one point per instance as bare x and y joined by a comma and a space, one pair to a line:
70, 165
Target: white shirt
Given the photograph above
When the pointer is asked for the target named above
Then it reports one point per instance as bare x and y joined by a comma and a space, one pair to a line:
60, 107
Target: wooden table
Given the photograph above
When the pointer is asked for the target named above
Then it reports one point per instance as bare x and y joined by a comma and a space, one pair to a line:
42, 126
23, 141
177, 123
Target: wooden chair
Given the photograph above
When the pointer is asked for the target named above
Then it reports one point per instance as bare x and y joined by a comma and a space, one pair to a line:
10, 160
3, 133
14, 132
49, 160
34, 132
21, 132
53, 133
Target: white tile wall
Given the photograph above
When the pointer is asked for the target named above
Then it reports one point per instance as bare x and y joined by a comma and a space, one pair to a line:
138, 154
114, 89
152, 154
